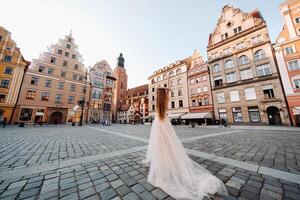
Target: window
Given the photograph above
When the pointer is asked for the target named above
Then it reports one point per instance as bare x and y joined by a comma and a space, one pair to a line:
45, 96
179, 82
26, 114
59, 51
109, 81
60, 85
220, 97
234, 96
172, 94
237, 114
2, 98
224, 36
69, 39
30, 94
4, 83
34, 80
153, 98
96, 94
63, 74
246, 74
76, 66
199, 90
194, 103
73, 56
237, 30
216, 68
218, 81
68, 46
179, 92
178, 71
204, 89
297, 20
297, 83
52, 60
65, 63
80, 78
153, 107
231, 77
204, 78
50, 70
73, 88
256, 39
75, 77
67, 54
199, 102
180, 102
205, 102
165, 76
41, 69
48, 83
259, 54
243, 60
250, 93
268, 91
226, 51
240, 45
8, 70
263, 70
289, 50
58, 98
98, 84
192, 81
172, 104
254, 114
153, 89
172, 83
71, 99
293, 65
98, 75
7, 58
0, 38
228, 64
171, 73
222, 113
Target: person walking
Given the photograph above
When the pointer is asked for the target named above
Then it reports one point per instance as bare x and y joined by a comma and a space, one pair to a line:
4, 122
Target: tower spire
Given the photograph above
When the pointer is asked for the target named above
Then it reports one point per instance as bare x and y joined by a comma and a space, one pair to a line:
121, 61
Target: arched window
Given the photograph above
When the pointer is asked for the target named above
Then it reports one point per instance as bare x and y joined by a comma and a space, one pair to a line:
243, 60
178, 71
171, 73
259, 54
179, 82
228, 64
216, 68
158, 78
165, 76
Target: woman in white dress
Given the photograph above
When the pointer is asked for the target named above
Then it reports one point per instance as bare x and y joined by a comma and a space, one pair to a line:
170, 167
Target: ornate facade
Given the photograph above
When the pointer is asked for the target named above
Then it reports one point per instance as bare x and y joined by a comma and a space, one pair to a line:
245, 80
287, 49
53, 85
12, 69
102, 79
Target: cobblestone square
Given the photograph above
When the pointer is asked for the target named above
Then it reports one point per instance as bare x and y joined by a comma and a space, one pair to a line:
104, 162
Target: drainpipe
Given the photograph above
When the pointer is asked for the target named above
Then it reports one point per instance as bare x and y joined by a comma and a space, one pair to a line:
18, 97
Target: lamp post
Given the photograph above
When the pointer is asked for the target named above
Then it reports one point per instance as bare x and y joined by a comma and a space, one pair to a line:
82, 102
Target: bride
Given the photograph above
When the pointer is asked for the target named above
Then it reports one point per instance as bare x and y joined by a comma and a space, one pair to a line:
170, 167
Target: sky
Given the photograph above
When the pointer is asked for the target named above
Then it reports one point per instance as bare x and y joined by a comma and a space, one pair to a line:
150, 33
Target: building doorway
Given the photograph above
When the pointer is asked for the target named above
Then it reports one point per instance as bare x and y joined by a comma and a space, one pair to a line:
56, 118
273, 115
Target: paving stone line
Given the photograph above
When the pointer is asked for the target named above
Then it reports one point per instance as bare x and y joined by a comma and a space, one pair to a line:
191, 139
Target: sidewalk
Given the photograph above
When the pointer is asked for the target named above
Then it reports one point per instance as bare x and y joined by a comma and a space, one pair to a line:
267, 128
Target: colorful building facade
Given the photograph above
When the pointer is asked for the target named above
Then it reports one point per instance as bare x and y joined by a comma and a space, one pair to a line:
12, 69
287, 50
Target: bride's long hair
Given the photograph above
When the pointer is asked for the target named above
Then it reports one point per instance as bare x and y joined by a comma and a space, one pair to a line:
162, 102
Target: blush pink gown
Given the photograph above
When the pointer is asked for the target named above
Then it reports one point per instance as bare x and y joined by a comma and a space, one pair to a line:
172, 170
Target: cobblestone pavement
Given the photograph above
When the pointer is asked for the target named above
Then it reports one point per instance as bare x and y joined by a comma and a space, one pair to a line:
103, 165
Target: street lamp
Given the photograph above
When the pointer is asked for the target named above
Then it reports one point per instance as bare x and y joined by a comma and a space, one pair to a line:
82, 102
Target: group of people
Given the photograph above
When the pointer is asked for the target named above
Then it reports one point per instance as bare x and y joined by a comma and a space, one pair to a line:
3, 121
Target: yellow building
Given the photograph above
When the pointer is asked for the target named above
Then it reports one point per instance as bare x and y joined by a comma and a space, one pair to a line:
12, 68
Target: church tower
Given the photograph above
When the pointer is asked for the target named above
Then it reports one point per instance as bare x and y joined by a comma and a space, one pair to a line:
120, 86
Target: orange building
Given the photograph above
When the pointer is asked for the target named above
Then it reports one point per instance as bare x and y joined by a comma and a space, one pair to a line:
287, 50
12, 69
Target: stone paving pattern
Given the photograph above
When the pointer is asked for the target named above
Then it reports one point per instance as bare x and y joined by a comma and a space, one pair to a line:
124, 177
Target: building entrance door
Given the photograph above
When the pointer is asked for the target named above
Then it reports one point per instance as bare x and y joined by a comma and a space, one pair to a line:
56, 118
273, 115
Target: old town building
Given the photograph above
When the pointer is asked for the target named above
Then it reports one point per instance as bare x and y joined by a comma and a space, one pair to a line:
120, 86
245, 80
125, 114
102, 79
200, 99
173, 76
287, 50
138, 97
53, 85
12, 69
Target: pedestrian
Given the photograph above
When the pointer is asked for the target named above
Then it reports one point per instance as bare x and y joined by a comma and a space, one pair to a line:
4, 122
1, 120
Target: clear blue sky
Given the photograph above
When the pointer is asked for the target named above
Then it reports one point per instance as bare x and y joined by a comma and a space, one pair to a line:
150, 33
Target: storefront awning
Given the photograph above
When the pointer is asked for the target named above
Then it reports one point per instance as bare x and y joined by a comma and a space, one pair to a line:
175, 115
296, 110
39, 114
200, 115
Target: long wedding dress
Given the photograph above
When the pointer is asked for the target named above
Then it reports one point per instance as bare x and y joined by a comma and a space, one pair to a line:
172, 170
